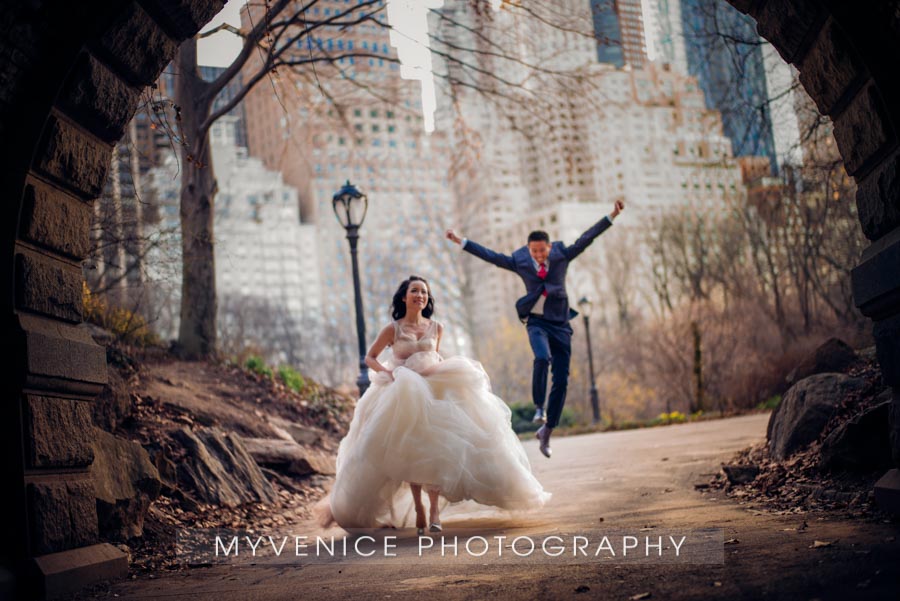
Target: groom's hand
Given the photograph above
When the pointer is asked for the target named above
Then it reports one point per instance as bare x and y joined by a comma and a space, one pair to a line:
451, 235
620, 205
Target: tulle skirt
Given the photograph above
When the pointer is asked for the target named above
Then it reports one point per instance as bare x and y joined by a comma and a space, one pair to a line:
436, 424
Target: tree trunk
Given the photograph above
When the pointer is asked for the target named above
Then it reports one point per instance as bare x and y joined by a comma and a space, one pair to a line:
138, 203
121, 260
698, 368
197, 331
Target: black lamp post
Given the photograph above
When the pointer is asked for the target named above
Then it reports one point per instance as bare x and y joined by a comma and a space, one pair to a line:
586, 305
350, 206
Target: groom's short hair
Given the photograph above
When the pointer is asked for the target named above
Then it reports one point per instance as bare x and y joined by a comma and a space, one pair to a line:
538, 235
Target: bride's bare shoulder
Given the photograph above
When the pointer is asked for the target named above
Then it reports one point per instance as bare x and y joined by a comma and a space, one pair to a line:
388, 331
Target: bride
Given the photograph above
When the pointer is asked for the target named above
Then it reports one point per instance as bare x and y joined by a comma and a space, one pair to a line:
430, 422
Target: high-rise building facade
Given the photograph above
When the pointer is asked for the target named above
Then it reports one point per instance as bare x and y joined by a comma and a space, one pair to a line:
354, 119
664, 33
619, 32
724, 53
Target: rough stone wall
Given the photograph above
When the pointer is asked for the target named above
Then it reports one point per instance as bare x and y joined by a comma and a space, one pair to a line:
70, 77
71, 74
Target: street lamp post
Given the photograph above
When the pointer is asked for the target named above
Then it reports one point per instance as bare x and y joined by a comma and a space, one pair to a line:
350, 206
586, 305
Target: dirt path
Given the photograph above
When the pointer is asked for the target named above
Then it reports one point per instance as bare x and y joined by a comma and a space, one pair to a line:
639, 481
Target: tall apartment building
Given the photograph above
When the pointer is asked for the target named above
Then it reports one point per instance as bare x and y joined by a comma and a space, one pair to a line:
355, 119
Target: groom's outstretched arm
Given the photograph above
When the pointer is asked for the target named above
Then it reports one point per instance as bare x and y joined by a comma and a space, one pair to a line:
595, 230
482, 252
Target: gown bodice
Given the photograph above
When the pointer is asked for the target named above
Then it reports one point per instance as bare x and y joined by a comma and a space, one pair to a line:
406, 344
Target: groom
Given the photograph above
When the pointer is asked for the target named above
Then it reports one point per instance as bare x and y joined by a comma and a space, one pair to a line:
545, 309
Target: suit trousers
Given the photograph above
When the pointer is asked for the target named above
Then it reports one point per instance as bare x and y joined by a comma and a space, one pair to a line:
551, 343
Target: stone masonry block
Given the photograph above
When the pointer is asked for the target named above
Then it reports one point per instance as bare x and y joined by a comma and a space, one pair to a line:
862, 129
56, 219
50, 287
878, 199
137, 46
74, 157
46, 419
788, 24
63, 515
96, 97
830, 68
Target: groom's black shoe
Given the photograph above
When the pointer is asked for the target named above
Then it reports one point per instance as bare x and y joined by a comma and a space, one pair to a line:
539, 416
543, 435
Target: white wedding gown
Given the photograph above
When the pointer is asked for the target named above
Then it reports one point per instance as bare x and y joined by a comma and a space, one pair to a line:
436, 424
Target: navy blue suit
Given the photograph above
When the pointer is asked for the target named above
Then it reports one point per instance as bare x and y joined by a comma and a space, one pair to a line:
550, 335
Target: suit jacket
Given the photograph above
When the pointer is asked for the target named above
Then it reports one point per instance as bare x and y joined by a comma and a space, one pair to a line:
556, 305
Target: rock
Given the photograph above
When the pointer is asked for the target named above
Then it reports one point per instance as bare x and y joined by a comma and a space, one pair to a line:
805, 409
125, 483
740, 474
219, 470
288, 457
861, 444
113, 404
887, 492
297, 432
834, 356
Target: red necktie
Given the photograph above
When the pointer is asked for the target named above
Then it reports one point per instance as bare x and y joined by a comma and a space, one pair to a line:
542, 273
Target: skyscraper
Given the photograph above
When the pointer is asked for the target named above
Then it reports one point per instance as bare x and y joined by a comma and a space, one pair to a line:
619, 31
355, 119
665, 39
724, 53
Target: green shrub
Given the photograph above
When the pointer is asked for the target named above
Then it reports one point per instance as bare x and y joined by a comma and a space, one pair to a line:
771, 403
291, 378
256, 364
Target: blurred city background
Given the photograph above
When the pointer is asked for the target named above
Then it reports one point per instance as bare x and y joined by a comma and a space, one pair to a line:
729, 264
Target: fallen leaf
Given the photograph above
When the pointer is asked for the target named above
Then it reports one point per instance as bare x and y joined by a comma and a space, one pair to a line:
820, 543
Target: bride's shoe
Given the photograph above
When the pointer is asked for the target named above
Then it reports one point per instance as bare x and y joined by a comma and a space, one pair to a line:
435, 527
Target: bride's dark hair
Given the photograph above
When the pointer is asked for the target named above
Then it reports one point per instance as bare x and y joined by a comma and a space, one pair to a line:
398, 307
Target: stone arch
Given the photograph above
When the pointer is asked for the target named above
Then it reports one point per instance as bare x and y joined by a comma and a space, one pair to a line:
71, 76
846, 54
71, 73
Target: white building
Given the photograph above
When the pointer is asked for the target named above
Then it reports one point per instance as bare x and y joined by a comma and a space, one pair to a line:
266, 259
